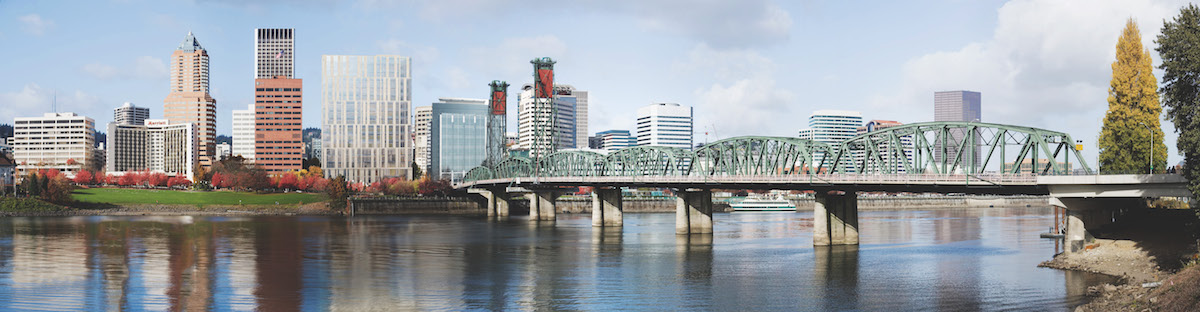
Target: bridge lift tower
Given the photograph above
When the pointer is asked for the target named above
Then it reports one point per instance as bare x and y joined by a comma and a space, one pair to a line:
496, 123
543, 113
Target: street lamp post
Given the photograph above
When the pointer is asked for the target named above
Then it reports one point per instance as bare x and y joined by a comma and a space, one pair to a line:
1150, 159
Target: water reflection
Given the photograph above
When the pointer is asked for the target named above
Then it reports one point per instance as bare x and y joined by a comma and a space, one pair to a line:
909, 260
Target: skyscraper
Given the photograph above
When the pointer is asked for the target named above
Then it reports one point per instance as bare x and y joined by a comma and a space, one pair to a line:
189, 100
128, 114
457, 137
832, 127
243, 133
278, 101
665, 124
956, 106
365, 131
274, 53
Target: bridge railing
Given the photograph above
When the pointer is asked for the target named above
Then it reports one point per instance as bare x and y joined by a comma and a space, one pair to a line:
813, 179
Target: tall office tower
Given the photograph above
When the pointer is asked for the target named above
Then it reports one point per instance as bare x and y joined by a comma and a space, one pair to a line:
665, 124
422, 116
128, 114
156, 146
365, 134
278, 146
243, 133
890, 152
568, 95
63, 141
832, 127
497, 122
189, 100
614, 140
956, 106
274, 53
457, 137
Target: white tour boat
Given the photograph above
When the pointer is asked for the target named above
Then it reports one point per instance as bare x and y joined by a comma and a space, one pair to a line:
762, 203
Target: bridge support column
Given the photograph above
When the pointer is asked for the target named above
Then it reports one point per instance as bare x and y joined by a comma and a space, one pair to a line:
1085, 215
835, 218
607, 207
497, 201
541, 205
693, 212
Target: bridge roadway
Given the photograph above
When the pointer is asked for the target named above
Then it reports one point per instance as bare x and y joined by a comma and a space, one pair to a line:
1090, 200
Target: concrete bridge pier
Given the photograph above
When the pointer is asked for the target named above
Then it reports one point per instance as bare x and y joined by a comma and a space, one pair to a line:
1085, 215
607, 207
496, 201
835, 218
541, 205
693, 211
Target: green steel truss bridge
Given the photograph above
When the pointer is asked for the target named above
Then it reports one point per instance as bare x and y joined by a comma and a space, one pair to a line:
948, 157
960, 153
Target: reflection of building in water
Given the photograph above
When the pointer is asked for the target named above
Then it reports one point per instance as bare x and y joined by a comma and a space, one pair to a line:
149, 273
372, 260
236, 276
959, 276
45, 263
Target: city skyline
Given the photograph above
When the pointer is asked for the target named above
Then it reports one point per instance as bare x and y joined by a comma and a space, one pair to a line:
762, 70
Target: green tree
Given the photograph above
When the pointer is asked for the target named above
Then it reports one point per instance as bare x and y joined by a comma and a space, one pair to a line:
1131, 128
1179, 47
336, 189
416, 171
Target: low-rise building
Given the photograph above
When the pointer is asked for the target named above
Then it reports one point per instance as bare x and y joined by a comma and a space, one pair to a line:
62, 141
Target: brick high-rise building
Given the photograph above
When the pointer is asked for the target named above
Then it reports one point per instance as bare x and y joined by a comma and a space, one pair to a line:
189, 100
278, 146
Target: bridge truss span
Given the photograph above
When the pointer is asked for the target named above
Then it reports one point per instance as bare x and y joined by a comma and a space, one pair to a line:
960, 148
758, 156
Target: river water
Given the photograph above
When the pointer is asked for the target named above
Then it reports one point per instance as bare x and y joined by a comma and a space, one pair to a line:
954, 259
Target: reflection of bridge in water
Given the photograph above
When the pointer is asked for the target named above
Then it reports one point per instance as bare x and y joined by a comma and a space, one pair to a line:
947, 157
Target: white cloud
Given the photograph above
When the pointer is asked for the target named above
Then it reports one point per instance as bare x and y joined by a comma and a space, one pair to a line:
511, 57
1047, 65
34, 24
144, 67
420, 53
745, 98
33, 100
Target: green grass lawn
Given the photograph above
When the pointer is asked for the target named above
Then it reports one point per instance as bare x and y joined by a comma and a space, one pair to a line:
140, 196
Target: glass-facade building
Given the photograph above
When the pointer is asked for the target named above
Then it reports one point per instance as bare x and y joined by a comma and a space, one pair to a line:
457, 137
957, 106
614, 140
365, 102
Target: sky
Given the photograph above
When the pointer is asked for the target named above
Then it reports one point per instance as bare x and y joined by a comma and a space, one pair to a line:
750, 67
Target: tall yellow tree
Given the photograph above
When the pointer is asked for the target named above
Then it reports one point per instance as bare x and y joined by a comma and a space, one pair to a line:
1131, 128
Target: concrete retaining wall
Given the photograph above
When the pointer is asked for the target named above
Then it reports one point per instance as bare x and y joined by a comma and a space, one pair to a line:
418, 206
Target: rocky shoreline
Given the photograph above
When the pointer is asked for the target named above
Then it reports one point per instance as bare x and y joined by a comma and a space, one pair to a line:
1154, 258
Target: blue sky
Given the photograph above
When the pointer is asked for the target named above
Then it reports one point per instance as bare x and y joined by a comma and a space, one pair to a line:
754, 67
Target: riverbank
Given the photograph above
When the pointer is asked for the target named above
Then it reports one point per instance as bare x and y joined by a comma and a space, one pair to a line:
1155, 250
23, 207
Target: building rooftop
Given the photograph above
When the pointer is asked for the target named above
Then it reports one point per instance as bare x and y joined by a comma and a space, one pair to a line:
190, 44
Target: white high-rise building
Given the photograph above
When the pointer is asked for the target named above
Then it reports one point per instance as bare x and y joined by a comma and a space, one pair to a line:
423, 120
664, 124
243, 133
832, 127
366, 131
129, 114
887, 150
570, 118
63, 141
274, 51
